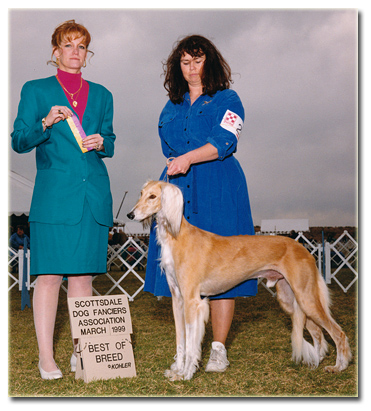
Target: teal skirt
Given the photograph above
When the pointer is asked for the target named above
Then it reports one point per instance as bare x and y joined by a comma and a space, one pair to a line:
69, 249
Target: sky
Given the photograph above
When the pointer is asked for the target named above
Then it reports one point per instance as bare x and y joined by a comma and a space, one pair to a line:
295, 71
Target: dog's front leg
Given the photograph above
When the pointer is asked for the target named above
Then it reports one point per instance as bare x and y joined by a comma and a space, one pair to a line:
177, 368
196, 315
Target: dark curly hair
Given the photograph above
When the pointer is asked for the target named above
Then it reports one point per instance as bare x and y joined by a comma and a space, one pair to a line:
216, 73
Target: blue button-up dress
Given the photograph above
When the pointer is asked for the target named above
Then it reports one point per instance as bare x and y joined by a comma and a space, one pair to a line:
215, 192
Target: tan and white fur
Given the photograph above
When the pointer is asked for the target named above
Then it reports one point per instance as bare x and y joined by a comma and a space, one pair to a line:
199, 263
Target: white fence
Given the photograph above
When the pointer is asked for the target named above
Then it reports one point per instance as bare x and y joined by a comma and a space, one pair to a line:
343, 253
131, 259
130, 256
15, 263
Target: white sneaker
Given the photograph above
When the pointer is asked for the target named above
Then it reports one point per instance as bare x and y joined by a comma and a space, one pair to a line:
218, 361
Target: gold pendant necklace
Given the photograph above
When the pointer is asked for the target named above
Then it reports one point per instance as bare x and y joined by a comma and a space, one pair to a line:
74, 102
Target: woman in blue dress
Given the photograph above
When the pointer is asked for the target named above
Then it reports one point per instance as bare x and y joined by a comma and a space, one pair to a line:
199, 129
71, 209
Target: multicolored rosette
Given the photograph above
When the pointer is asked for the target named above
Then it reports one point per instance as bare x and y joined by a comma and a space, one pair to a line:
77, 131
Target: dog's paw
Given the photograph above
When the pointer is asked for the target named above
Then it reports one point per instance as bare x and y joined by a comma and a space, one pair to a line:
172, 375
189, 373
333, 369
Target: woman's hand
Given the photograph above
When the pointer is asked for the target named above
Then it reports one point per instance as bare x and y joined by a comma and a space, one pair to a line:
178, 165
181, 164
56, 114
94, 141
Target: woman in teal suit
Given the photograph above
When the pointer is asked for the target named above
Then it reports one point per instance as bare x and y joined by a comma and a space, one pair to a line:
71, 209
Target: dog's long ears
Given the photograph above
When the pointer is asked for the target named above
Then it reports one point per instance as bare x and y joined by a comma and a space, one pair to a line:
172, 208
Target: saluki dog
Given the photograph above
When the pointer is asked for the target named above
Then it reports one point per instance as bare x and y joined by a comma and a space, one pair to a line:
198, 263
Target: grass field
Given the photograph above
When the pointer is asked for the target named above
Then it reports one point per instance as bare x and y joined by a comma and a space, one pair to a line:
259, 351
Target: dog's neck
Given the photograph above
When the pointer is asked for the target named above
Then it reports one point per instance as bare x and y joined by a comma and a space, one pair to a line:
164, 233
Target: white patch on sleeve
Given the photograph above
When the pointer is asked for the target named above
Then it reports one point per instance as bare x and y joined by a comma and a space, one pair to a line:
232, 122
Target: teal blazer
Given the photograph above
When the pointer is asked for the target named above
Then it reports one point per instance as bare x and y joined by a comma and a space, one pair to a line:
65, 175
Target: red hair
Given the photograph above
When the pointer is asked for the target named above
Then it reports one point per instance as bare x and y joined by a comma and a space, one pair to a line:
70, 30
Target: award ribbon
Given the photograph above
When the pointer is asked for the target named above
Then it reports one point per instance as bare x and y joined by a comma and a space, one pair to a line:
77, 131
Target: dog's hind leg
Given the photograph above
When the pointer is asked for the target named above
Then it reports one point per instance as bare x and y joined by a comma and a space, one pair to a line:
319, 341
196, 316
285, 296
344, 354
301, 349
320, 314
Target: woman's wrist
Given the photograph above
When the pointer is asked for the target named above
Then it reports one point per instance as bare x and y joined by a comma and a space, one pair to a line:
189, 157
45, 126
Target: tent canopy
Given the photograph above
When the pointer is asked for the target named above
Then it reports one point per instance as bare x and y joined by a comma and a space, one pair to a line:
20, 194
284, 226
134, 228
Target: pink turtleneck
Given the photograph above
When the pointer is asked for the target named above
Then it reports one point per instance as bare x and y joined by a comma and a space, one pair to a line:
72, 83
